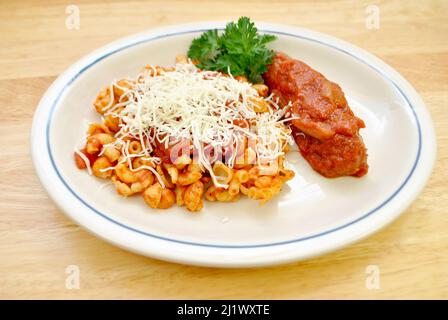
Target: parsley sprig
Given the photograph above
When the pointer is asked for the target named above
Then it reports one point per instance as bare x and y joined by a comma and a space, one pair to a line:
239, 49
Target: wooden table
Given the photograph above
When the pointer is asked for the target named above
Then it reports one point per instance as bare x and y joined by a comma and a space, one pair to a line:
37, 242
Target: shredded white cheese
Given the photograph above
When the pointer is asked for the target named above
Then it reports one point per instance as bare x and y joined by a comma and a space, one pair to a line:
203, 107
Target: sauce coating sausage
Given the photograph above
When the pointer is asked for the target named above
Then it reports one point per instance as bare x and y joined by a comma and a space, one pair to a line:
326, 131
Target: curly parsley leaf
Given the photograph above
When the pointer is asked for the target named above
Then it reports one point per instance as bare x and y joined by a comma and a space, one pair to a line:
240, 50
205, 48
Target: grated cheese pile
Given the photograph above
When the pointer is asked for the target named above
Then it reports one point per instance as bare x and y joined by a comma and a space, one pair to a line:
203, 107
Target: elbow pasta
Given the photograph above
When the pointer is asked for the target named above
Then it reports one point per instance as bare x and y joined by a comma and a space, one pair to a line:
182, 182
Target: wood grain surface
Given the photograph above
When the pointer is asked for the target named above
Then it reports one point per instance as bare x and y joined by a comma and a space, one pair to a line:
37, 241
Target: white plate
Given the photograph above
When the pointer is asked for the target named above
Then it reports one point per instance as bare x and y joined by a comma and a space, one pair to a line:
311, 216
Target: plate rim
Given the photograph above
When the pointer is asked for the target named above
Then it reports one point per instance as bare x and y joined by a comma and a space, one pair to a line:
400, 84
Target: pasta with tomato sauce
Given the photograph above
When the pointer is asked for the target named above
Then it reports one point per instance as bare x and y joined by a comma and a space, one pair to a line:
179, 135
